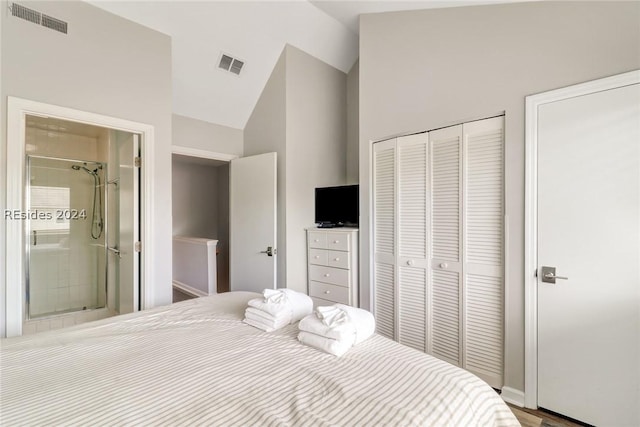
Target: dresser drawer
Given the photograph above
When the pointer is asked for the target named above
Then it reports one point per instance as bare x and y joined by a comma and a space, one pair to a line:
318, 239
337, 259
321, 302
336, 276
329, 292
318, 256
337, 241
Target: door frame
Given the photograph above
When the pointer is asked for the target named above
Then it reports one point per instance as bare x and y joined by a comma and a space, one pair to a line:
532, 104
17, 111
202, 154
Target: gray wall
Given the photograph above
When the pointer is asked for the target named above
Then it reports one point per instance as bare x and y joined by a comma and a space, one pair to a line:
301, 115
316, 148
193, 133
195, 199
353, 123
427, 69
266, 132
106, 65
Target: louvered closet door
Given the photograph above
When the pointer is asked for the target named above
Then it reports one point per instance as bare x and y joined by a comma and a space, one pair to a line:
412, 259
483, 265
384, 229
446, 241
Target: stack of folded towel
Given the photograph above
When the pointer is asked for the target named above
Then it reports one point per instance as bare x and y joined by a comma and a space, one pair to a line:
337, 328
277, 308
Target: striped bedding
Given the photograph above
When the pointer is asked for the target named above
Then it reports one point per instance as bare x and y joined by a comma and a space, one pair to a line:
196, 363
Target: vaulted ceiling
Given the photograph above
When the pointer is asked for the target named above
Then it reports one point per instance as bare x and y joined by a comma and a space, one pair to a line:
254, 32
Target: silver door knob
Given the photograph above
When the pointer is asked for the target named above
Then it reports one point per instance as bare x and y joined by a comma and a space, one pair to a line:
271, 251
548, 275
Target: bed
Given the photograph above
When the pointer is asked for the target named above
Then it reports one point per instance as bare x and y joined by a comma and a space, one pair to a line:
197, 363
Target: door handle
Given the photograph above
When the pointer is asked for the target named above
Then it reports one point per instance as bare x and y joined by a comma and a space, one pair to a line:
549, 275
271, 251
115, 250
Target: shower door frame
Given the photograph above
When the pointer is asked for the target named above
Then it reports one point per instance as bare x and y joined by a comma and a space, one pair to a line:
15, 256
29, 232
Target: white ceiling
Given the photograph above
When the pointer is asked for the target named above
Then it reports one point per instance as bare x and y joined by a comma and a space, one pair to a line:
255, 32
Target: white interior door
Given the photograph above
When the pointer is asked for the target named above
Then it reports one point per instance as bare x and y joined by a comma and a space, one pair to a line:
252, 223
589, 230
126, 191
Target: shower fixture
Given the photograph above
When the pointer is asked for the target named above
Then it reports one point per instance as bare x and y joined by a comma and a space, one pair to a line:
96, 226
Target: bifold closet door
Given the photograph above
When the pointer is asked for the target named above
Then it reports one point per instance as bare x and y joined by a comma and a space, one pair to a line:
384, 220
438, 244
446, 244
412, 259
483, 266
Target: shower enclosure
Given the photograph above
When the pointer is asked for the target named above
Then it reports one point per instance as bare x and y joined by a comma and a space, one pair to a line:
67, 227
73, 227
81, 223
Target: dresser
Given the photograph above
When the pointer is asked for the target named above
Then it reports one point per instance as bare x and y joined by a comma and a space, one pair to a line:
332, 261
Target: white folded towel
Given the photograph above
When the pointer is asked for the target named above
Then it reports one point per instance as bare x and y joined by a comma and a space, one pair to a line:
341, 332
263, 320
259, 325
357, 322
354, 326
301, 304
363, 321
266, 316
277, 308
331, 315
328, 345
276, 296
295, 303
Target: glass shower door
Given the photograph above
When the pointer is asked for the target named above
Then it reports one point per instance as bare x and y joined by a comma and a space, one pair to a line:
66, 231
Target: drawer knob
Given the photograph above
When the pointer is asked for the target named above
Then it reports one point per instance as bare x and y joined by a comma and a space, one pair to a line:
326, 274
336, 241
327, 292
444, 265
316, 240
336, 259
317, 257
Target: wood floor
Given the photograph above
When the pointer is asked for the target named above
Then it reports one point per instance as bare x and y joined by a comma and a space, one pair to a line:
180, 296
537, 418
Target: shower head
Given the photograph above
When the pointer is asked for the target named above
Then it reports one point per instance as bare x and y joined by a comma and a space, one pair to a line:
90, 172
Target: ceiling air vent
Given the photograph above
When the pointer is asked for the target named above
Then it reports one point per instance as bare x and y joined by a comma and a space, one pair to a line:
230, 64
36, 17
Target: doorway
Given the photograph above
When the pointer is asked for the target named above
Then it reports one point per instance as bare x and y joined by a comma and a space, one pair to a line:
583, 251
76, 216
200, 209
82, 210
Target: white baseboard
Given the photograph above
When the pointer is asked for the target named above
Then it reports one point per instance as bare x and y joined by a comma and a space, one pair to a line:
188, 289
513, 396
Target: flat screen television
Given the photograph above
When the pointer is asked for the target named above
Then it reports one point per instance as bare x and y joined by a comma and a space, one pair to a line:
337, 206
